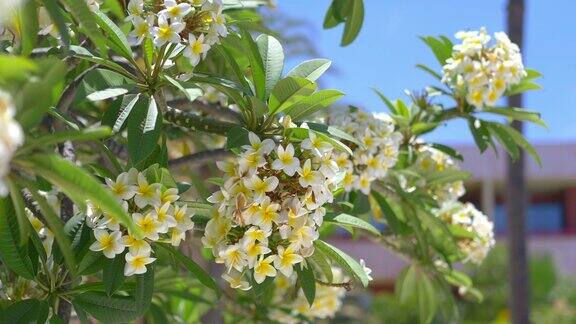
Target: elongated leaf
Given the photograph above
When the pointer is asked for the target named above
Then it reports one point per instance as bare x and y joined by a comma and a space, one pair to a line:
331, 19
57, 17
29, 27
106, 94
307, 282
504, 139
429, 71
311, 69
191, 94
191, 266
519, 140
78, 185
349, 220
128, 102
11, 253
427, 303
336, 132
522, 87
57, 227
396, 223
480, 133
319, 259
258, 77
447, 176
518, 114
113, 274
86, 18
288, 92
350, 265
229, 58
18, 204
82, 53
448, 150
142, 144
24, 311
441, 49
354, 22
406, 285
151, 116
272, 56
115, 35
386, 101
88, 134
313, 103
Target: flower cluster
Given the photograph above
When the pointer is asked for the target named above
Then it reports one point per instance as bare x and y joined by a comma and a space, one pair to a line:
466, 216
270, 206
380, 152
196, 25
431, 160
327, 301
481, 72
11, 137
154, 210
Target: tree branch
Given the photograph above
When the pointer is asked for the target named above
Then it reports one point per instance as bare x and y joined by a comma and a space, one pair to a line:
200, 158
194, 122
208, 108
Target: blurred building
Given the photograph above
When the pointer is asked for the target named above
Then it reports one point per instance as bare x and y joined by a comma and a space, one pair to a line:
551, 216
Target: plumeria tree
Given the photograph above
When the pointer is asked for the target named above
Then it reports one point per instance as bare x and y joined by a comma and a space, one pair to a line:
157, 161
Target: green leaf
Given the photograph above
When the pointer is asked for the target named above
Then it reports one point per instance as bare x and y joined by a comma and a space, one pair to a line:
151, 116
523, 86
396, 223
86, 19
331, 19
191, 266
319, 259
29, 27
430, 71
113, 273
57, 17
258, 76
427, 303
350, 265
106, 94
313, 103
57, 228
191, 94
272, 56
423, 128
518, 114
87, 134
115, 35
12, 254
448, 150
311, 69
442, 48
128, 102
447, 176
504, 139
307, 282
349, 220
288, 92
18, 204
79, 186
225, 52
141, 143
406, 285
336, 132
519, 139
354, 22
24, 311
480, 133
386, 101
82, 53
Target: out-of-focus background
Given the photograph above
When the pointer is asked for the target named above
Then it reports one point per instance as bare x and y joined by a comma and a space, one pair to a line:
384, 56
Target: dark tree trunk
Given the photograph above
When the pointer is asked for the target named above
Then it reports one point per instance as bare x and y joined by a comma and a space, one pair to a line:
517, 195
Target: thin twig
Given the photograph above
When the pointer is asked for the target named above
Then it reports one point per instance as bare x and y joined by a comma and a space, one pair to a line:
200, 158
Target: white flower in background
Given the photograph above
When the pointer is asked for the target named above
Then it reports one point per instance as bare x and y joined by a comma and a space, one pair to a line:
367, 270
271, 191
467, 217
146, 193
135, 9
7, 8
167, 32
482, 72
136, 263
196, 49
236, 281
175, 10
379, 153
110, 243
11, 137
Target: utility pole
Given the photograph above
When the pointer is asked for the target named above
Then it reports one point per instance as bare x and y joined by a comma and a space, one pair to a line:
517, 195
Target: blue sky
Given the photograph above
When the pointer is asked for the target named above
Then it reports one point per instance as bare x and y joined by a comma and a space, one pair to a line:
388, 47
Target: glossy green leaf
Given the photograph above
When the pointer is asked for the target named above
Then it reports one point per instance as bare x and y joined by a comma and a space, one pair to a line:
115, 35
272, 56
106, 94
354, 22
12, 254
18, 204
518, 114
313, 103
86, 18
57, 17
28, 27
288, 92
349, 220
256, 64
113, 273
24, 311
311, 69
307, 282
344, 260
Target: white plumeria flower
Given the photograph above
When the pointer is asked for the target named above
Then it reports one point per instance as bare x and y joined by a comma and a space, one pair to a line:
236, 280
315, 144
167, 32
196, 49
175, 10
233, 257
169, 195
266, 215
328, 166
135, 9
261, 187
256, 145
148, 224
303, 236
364, 182
163, 216
219, 23
183, 218
146, 193
135, 245
367, 270
136, 263
253, 251
121, 188
109, 243
176, 236
229, 168
309, 177
218, 197
286, 258
286, 160
263, 269
142, 28
250, 162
